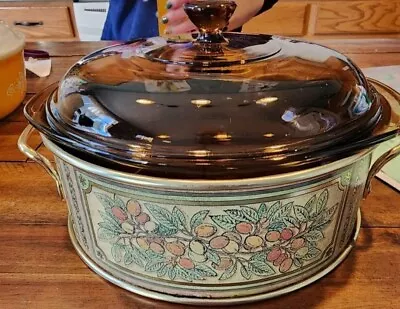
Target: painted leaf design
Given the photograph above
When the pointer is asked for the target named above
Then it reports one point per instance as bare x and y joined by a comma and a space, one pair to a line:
277, 226
224, 221
162, 215
119, 203
310, 205
258, 265
312, 243
323, 226
290, 221
322, 201
114, 225
106, 234
345, 178
314, 235
213, 256
245, 272
262, 211
162, 230
109, 226
272, 209
301, 213
162, 271
260, 256
324, 218
261, 269
250, 214
312, 253
229, 272
318, 220
84, 182
331, 211
281, 212
205, 270
236, 214
152, 256
117, 252
297, 262
154, 266
138, 254
136, 258
188, 274
128, 258
198, 218
172, 273
108, 217
179, 215
105, 200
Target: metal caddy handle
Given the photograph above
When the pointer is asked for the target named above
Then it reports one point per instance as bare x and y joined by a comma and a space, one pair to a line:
378, 165
38, 158
395, 151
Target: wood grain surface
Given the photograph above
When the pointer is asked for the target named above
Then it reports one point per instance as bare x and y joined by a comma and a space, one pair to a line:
284, 19
358, 17
40, 269
330, 18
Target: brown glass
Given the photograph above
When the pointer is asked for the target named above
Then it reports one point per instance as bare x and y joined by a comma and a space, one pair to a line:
214, 106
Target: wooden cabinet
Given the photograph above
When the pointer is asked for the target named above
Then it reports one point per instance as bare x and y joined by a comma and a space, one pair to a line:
54, 20
41, 20
330, 19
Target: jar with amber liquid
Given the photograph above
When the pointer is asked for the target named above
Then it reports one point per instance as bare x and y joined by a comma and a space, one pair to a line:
12, 70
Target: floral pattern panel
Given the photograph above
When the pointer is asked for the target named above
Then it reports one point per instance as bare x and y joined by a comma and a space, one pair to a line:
223, 244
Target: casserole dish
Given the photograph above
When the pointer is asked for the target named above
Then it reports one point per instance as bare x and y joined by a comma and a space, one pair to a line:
220, 169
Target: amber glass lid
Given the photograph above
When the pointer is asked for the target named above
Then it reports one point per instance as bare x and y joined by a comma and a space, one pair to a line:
213, 103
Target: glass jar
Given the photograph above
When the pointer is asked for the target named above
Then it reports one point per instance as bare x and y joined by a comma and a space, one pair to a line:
12, 70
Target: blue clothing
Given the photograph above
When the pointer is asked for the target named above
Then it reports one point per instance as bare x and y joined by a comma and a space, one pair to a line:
131, 19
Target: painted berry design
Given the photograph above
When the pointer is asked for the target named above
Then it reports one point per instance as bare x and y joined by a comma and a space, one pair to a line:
242, 242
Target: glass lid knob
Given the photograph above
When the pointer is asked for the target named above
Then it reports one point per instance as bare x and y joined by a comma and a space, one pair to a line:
211, 18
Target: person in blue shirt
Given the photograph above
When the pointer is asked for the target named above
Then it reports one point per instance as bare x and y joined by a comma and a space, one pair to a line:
132, 19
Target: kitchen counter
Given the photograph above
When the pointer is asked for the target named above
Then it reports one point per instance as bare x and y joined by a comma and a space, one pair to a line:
40, 269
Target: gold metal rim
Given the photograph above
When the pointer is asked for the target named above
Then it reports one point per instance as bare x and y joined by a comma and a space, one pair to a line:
208, 301
248, 184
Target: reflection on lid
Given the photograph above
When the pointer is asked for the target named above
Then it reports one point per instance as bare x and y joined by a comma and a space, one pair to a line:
266, 100
288, 116
199, 153
223, 137
361, 102
269, 135
91, 119
145, 101
201, 102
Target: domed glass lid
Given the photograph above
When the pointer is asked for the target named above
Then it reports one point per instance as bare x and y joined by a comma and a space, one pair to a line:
217, 99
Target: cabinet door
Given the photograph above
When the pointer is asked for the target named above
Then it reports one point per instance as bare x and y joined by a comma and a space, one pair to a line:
40, 23
330, 19
358, 17
286, 18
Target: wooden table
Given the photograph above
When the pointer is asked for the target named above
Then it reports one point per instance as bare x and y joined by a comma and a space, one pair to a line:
40, 269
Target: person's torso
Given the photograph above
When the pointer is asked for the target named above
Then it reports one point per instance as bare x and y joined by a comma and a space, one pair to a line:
131, 19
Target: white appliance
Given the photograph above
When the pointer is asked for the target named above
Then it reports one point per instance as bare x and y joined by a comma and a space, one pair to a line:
90, 17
